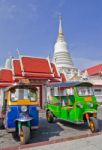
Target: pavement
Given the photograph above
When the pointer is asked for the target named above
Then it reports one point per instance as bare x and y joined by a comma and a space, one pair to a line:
89, 143
48, 133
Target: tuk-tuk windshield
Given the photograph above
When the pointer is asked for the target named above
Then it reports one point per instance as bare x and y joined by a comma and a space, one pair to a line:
24, 94
84, 91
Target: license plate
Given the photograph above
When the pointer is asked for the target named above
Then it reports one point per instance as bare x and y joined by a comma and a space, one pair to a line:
88, 99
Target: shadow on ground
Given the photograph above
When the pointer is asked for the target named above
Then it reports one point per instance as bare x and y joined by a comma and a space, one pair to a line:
58, 129
80, 127
100, 124
45, 131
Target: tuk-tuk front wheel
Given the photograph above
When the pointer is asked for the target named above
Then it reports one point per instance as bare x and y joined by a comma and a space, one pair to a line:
49, 116
93, 123
24, 134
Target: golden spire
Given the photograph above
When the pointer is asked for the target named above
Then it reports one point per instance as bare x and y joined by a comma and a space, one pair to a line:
60, 24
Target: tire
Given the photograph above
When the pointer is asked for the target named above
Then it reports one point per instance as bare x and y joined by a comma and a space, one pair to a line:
49, 117
1, 124
94, 125
24, 135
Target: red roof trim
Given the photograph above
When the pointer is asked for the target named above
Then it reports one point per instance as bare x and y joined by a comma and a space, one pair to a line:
3, 85
96, 85
55, 71
16, 66
63, 77
95, 70
38, 75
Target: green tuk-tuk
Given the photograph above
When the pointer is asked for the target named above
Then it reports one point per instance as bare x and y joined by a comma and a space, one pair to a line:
72, 101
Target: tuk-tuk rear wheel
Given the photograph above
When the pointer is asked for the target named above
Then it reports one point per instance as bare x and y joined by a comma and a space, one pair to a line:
24, 134
1, 123
49, 116
94, 126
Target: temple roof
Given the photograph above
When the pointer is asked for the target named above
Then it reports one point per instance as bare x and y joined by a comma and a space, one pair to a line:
29, 68
6, 77
94, 70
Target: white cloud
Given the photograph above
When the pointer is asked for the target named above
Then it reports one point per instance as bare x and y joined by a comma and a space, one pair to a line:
6, 9
33, 14
56, 13
58, 9
10, 10
61, 3
83, 63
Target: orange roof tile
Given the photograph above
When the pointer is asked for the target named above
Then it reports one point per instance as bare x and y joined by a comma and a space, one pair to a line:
94, 70
6, 75
31, 68
36, 65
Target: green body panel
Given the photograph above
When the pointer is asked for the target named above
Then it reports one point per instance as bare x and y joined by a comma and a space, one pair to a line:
70, 111
19, 125
75, 115
64, 113
55, 109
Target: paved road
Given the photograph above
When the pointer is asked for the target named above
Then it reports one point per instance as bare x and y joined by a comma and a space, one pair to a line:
90, 143
48, 132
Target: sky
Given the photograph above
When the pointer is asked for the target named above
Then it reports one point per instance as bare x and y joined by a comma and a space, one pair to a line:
32, 27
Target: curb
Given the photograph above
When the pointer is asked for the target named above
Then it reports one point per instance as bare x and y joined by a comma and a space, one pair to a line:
52, 141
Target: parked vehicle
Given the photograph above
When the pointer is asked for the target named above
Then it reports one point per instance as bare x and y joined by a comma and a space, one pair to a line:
20, 110
72, 101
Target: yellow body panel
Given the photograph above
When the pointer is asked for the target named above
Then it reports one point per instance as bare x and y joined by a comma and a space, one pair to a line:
23, 102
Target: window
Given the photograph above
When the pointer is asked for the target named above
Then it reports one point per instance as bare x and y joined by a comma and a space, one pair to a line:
33, 95
70, 91
98, 91
84, 91
52, 91
24, 94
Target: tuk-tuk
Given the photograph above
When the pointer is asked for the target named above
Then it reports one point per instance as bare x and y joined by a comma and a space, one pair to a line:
20, 110
72, 101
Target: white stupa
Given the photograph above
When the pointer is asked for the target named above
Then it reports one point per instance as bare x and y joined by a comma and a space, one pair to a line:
62, 57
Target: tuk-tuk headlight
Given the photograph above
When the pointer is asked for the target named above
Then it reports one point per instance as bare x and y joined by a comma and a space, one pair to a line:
23, 108
79, 105
91, 105
37, 108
